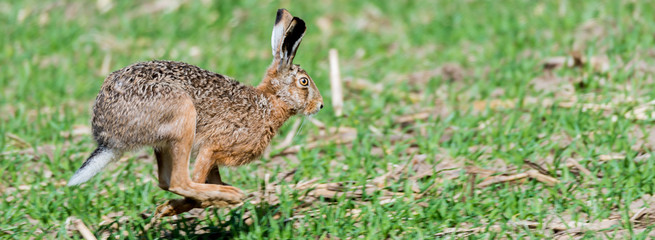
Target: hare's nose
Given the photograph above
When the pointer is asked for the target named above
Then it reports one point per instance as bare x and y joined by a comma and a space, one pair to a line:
321, 106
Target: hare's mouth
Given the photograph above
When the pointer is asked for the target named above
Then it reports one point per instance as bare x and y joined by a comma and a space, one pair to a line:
310, 112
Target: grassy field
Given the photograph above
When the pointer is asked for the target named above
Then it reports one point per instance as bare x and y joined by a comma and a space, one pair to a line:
481, 119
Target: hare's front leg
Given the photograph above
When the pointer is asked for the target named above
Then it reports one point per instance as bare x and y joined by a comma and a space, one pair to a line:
206, 170
215, 177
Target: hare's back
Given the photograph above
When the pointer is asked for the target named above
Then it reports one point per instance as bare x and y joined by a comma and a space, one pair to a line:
175, 74
140, 97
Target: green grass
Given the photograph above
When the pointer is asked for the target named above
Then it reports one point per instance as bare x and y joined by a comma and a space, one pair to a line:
51, 68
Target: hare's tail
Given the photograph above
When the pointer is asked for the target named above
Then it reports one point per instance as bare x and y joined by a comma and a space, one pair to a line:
93, 165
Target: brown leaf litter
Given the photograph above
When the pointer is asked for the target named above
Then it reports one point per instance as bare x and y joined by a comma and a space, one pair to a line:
642, 217
600, 64
314, 192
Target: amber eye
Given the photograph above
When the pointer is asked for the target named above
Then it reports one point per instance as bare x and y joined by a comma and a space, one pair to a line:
303, 81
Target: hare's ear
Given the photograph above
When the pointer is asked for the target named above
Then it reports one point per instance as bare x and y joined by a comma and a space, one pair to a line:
292, 39
282, 21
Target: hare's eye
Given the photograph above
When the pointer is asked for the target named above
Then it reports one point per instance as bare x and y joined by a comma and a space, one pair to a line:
303, 81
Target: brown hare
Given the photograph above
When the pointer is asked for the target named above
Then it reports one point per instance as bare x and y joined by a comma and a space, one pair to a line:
182, 111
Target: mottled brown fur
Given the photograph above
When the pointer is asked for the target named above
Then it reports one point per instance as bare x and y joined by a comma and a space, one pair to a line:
182, 110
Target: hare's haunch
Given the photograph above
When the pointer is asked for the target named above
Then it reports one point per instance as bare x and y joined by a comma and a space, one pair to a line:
182, 110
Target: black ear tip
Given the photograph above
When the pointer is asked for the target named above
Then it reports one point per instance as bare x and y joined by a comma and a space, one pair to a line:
300, 24
279, 15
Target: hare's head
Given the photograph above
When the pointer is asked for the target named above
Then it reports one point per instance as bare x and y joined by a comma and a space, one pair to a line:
289, 82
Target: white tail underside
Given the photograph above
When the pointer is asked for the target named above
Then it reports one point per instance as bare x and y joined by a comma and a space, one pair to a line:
92, 166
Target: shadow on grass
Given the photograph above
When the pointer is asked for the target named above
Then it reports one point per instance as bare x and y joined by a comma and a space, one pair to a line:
209, 224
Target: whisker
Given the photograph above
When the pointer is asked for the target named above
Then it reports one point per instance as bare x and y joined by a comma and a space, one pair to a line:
302, 122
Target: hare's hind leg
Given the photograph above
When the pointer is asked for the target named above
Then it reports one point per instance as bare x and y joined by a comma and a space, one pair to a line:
173, 163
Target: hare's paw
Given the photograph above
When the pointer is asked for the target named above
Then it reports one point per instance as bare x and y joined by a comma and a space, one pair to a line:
227, 195
234, 191
215, 195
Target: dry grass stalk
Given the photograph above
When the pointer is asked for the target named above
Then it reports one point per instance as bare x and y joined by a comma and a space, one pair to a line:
534, 174
536, 166
317, 123
343, 135
501, 179
642, 112
334, 191
561, 229
642, 157
597, 226
610, 157
18, 142
494, 104
464, 232
83, 229
106, 65
574, 163
363, 85
335, 83
548, 180
640, 213
35, 153
411, 118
